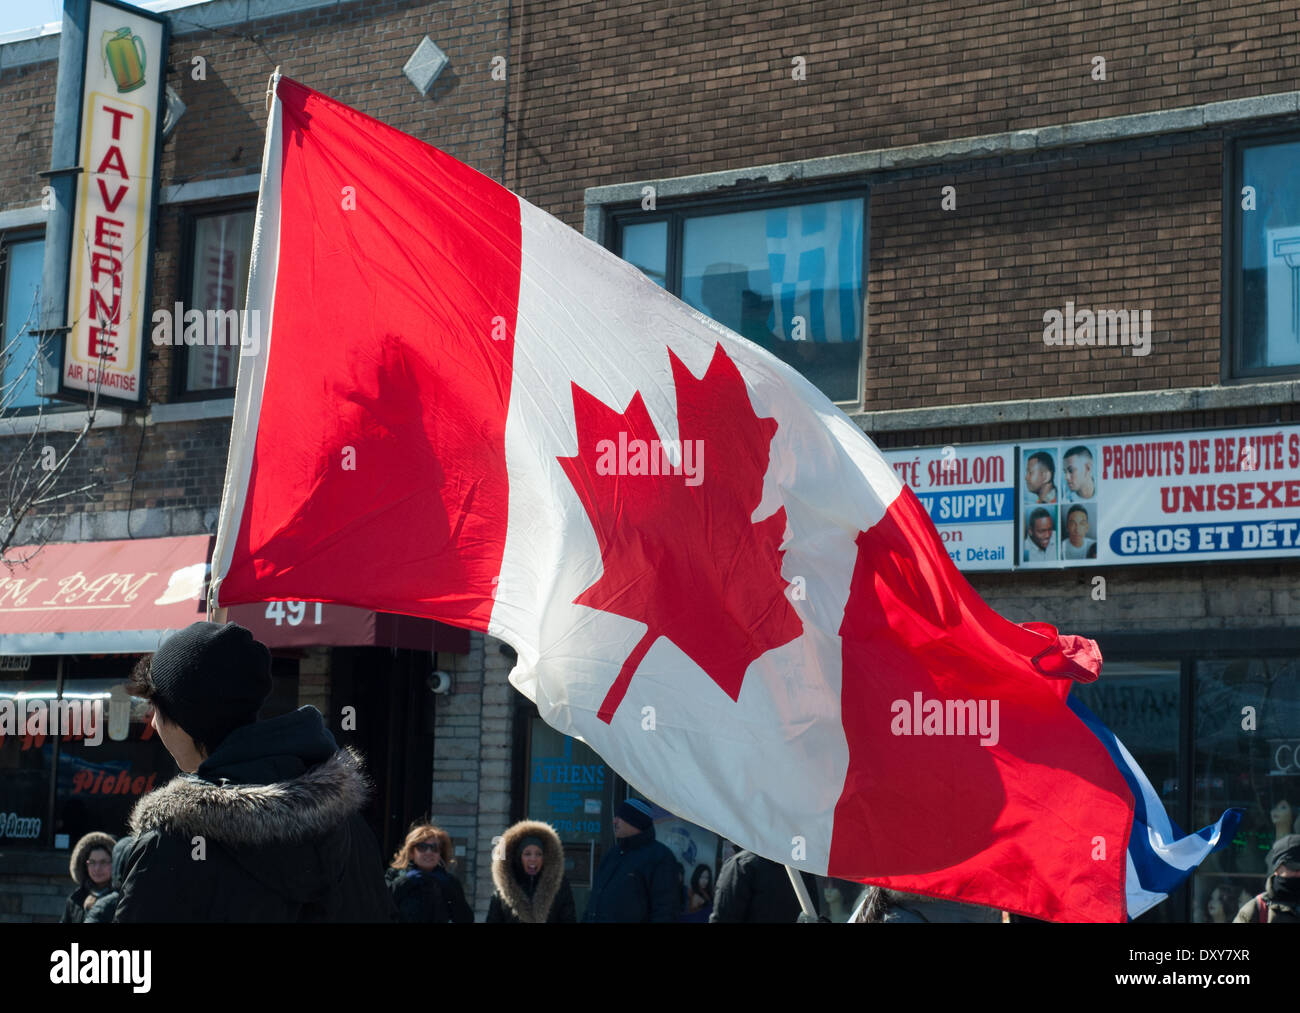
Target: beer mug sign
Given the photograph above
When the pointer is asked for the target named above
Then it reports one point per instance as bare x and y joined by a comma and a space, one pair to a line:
124, 54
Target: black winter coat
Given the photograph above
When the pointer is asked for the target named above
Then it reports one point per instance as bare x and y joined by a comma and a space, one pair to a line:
519, 897
106, 906
636, 882
276, 810
75, 911
752, 888
428, 897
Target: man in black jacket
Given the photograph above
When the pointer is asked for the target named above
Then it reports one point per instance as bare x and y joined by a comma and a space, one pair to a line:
264, 824
637, 878
755, 889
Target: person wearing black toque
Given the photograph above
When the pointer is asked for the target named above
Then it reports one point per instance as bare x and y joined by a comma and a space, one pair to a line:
264, 823
637, 878
1280, 901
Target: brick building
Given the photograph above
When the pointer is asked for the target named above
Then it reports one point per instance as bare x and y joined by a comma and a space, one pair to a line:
892, 200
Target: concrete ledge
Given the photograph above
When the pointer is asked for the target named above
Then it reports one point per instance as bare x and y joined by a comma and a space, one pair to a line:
1143, 402
189, 411
211, 189
21, 218
1017, 142
60, 422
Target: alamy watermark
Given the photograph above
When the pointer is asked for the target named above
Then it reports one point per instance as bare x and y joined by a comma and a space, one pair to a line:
193, 327
34, 716
651, 457
946, 717
1099, 328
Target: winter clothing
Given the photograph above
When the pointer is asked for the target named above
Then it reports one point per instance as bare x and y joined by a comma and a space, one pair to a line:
277, 808
1280, 901
211, 679
428, 897
635, 812
636, 882
106, 906
752, 888
546, 897
74, 911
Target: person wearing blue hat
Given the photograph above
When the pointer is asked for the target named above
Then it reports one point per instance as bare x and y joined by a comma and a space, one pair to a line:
637, 878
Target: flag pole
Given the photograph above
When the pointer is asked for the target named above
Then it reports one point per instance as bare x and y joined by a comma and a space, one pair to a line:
216, 614
801, 891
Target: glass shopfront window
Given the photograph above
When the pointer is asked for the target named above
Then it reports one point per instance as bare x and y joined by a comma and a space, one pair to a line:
1247, 755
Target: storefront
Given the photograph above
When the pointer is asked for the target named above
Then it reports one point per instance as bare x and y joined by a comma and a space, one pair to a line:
77, 752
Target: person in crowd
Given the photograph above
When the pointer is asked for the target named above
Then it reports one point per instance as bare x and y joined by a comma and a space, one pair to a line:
529, 876
891, 906
1077, 544
422, 882
106, 906
700, 895
1280, 901
637, 878
757, 890
91, 868
264, 824
1080, 484
1040, 537
1040, 478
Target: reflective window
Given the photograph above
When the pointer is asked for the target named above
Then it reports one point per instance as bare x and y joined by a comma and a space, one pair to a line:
21, 265
218, 283
1267, 277
788, 278
1247, 755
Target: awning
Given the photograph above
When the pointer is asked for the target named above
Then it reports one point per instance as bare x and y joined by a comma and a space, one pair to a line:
125, 597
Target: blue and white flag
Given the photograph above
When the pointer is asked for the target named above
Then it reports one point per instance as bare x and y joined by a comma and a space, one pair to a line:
1160, 856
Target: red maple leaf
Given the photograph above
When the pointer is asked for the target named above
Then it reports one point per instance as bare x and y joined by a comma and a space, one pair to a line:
680, 552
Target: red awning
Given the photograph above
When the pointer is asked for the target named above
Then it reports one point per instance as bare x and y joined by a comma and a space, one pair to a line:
124, 597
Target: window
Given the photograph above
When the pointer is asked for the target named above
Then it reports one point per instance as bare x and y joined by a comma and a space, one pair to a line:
787, 276
1264, 283
21, 264
219, 249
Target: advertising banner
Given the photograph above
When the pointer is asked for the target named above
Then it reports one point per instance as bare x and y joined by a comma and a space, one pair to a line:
1160, 497
971, 497
109, 269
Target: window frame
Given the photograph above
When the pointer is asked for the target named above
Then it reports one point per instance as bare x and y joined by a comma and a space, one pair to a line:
190, 216
677, 210
7, 239
1232, 302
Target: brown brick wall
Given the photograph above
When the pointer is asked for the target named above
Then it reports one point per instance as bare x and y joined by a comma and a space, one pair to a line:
609, 94
956, 298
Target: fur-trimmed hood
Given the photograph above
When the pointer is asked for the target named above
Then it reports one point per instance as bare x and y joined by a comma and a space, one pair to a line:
511, 881
77, 863
258, 815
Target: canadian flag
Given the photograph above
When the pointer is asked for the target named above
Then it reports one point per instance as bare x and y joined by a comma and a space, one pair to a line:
459, 408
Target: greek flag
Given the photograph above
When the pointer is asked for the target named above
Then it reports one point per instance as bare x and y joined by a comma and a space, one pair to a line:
814, 258
1160, 856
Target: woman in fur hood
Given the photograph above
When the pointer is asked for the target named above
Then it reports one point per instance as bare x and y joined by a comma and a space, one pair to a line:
528, 870
91, 869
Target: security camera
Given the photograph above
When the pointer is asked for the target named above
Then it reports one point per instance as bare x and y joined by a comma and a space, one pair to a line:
439, 682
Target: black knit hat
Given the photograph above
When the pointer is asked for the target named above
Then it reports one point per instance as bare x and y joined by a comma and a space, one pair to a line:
635, 812
211, 679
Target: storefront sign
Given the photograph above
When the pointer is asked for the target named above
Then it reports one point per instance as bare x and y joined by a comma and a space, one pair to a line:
16, 827
970, 495
1231, 494
109, 270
